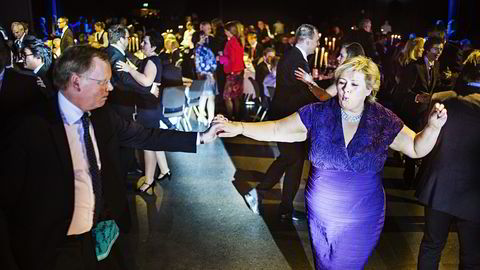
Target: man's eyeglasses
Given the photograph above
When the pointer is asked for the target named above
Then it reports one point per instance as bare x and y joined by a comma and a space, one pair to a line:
24, 55
99, 82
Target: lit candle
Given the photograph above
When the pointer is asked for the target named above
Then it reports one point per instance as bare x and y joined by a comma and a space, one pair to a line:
326, 59
329, 45
326, 41
392, 39
316, 58
319, 35
136, 42
333, 44
321, 57
129, 44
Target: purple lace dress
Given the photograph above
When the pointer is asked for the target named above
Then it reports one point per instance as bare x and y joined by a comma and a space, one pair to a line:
344, 195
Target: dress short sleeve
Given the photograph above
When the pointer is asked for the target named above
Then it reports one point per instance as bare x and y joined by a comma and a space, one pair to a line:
306, 115
393, 126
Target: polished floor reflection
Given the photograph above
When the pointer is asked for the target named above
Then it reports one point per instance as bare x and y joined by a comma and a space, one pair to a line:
199, 220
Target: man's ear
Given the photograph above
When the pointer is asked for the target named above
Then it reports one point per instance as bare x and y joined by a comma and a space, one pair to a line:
75, 82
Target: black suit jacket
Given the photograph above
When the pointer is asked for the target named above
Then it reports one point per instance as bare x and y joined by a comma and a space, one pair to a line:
413, 81
449, 182
365, 39
37, 194
67, 40
261, 71
290, 94
20, 94
126, 89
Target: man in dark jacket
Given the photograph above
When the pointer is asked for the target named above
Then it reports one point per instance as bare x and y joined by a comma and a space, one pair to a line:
449, 184
290, 95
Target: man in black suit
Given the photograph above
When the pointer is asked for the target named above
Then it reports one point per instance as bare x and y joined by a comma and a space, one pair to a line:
449, 185
364, 36
126, 89
264, 68
413, 93
61, 170
418, 82
290, 95
38, 58
67, 34
19, 32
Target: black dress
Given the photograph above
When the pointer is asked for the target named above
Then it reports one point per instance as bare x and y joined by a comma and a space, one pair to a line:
149, 107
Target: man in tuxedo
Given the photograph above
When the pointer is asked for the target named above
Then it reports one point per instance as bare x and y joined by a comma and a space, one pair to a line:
449, 184
61, 170
290, 95
67, 34
38, 58
264, 68
413, 93
18, 31
126, 89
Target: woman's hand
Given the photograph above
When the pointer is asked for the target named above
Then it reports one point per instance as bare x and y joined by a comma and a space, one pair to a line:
227, 128
303, 76
438, 116
122, 66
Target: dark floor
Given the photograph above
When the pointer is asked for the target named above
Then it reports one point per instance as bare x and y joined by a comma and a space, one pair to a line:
199, 220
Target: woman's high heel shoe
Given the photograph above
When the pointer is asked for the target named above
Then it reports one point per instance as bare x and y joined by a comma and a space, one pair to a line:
162, 177
151, 185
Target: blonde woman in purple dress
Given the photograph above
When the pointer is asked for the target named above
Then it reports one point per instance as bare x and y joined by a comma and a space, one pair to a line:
349, 137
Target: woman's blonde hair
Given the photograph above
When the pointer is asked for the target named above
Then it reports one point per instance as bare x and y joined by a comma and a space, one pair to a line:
368, 68
408, 53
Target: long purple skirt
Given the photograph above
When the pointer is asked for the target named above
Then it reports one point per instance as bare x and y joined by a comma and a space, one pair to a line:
346, 211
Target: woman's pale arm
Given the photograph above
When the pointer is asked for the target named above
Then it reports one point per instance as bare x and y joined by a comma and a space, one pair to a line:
288, 129
145, 79
320, 93
331, 90
420, 144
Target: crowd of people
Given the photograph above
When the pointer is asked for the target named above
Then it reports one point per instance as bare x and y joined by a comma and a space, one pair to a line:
375, 92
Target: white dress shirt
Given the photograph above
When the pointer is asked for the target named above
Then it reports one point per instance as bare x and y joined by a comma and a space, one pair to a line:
35, 71
82, 219
303, 53
63, 31
118, 48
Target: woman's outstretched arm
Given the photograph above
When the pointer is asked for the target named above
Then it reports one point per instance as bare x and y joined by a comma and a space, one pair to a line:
418, 145
288, 129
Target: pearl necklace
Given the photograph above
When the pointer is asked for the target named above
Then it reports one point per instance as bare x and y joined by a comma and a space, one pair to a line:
351, 118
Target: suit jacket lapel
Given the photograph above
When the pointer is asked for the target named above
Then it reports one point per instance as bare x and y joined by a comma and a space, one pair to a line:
435, 69
423, 73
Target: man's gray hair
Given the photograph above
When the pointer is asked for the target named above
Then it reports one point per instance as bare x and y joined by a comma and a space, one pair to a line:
76, 59
305, 31
116, 32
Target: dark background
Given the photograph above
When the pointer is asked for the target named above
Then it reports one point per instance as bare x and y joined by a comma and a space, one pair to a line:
405, 16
